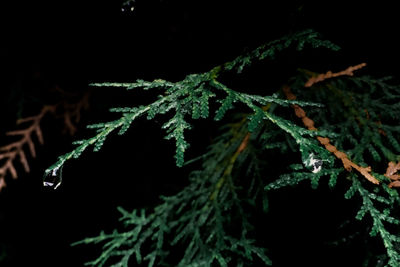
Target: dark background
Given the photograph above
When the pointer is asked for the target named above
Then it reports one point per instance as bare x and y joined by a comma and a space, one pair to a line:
72, 43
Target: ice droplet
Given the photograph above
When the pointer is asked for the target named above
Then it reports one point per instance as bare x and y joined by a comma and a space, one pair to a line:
53, 179
54, 172
128, 6
316, 164
48, 184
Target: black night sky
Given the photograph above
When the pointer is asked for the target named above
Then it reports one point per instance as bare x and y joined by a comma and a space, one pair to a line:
68, 44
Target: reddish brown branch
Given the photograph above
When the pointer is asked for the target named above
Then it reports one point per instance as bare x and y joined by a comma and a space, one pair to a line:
392, 174
70, 112
10, 152
244, 143
321, 77
392, 169
309, 123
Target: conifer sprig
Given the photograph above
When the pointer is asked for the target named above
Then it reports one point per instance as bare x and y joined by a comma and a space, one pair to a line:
209, 221
190, 97
364, 121
201, 218
379, 218
366, 126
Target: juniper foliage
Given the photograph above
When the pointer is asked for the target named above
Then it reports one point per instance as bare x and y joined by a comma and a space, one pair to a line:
210, 220
190, 97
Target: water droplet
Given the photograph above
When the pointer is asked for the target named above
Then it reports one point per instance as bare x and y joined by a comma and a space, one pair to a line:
55, 170
128, 6
48, 184
316, 164
53, 179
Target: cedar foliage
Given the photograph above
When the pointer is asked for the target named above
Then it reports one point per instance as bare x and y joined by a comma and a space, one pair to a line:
345, 127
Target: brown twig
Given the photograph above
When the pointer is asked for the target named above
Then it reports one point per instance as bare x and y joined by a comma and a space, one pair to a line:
321, 77
10, 152
391, 173
392, 169
309, 123
71, 113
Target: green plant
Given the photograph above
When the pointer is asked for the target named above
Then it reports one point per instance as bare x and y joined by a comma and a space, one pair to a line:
211, 218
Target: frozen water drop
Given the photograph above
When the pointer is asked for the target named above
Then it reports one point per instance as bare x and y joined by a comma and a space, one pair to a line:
315, 164
48, 184
54, 172
53, 179
128, 5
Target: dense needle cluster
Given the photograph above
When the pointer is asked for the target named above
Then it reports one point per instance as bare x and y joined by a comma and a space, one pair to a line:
210, 220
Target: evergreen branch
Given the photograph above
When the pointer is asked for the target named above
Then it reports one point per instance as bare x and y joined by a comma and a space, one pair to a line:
200, 225
371, 130
190, 97
307, 147
159, 84
199, 218
294, 178
309, 123
358, 118
390, 241
104, 129
202, 219
269, 50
